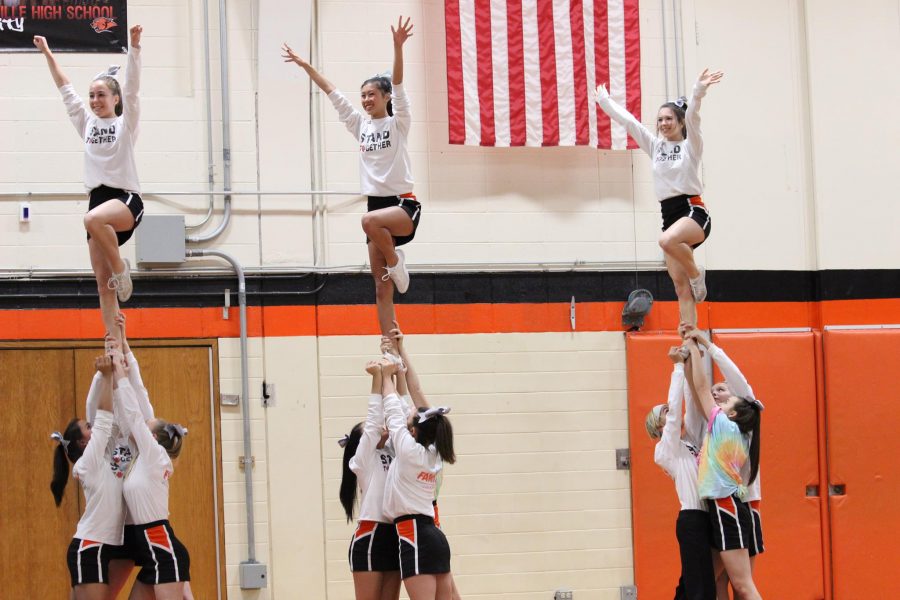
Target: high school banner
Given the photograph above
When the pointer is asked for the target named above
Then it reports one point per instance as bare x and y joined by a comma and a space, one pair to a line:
523, 72
68, 25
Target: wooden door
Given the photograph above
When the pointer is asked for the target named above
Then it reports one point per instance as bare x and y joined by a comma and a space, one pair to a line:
37, 398
178, 380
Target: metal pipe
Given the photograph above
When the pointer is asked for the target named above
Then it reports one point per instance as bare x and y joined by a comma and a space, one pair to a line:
662, 9
245, 387
679, 68
226, 132
145, 195
211, 163
317, 172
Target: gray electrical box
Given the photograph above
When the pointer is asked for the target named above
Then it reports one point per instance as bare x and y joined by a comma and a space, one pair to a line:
253, 576
159, 241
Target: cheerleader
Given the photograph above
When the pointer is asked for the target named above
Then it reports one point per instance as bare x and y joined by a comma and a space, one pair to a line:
678, 458
384, 169
373, 556
422, 444
162, 558
99, 531
109, 131
410, 390
676, 151
732, 439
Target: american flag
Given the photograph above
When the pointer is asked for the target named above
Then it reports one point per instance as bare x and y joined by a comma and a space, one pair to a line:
523, 72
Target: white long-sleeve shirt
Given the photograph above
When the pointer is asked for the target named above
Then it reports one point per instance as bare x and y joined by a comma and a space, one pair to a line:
371, 464
146, 487
384, 166
676, 456
104, 510
676, 165
738, 386
109, 143
119, 447
412, 477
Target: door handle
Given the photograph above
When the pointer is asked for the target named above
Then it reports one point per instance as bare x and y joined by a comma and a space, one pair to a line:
838, 489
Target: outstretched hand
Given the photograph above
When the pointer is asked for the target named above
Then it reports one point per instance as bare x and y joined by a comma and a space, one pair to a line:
675, 354
104, 364
40, 42
136, 32
289, 55
403, 31
373, 367
707, 79
602, 93
397, 336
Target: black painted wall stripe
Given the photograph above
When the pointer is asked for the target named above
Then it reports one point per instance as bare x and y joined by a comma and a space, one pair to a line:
460, 288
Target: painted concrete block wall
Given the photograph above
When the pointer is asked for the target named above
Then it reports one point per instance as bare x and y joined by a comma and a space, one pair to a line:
534, 501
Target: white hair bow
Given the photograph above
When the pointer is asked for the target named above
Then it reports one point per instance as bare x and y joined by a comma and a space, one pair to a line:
174, 428
434, 411
59, 438
110, 72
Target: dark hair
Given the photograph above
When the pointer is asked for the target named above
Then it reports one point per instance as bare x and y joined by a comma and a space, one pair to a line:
348, 478
113, 84
438, 431
748, 420
679, 107
169, 438
383, 83
64, 454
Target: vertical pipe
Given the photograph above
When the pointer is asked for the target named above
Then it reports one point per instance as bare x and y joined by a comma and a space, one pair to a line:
679, 68
317, 203
211, 163
245, 389
662, 10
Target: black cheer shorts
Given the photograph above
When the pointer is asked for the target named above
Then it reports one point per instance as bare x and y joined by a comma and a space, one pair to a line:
732, 525
89, 561
692, 207
159, 554
423, 547
408, 203
756, 542
133, 201
374, 547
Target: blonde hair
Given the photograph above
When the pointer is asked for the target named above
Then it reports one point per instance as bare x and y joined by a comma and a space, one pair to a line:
169, 437
654, 420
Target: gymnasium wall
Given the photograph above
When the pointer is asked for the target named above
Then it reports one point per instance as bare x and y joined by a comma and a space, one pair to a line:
798, 156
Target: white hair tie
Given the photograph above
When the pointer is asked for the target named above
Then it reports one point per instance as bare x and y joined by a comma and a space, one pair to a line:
431, 412
110, 72
344, 440
62, 441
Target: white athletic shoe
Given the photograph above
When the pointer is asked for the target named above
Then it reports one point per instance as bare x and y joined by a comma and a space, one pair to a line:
698, 286
398, 273
121, 282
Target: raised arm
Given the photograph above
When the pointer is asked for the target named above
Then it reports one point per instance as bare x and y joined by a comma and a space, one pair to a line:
134, 373
401, 438
94, 456
59, 78
290, 56
635, 128
667, 447
701, 380
402, 33
411, 377
371, 433
737, 383
130, 94
692, 114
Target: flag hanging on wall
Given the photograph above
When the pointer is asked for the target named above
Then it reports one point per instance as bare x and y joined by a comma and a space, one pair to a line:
523, 72
68, 25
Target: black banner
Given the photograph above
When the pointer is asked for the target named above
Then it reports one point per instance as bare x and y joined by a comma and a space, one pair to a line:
68, 25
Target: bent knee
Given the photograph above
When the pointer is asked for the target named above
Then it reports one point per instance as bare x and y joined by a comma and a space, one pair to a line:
369, 223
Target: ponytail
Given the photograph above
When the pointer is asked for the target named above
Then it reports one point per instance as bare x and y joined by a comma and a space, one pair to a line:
347, 494
67, 450
436, 429
748, 419
170, 436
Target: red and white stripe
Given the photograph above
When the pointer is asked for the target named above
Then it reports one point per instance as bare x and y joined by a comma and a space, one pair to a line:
523, 72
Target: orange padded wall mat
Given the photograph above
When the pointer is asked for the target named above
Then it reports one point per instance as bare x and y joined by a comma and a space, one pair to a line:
781, 369
654, 502
862, 379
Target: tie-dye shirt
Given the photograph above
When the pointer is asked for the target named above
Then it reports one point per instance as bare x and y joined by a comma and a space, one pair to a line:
724, 452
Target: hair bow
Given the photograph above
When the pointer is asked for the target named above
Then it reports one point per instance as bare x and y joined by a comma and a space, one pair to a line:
110, 72
344, 440
59, 438
385, 74
759, 405
680, 102
434, 411
174, 429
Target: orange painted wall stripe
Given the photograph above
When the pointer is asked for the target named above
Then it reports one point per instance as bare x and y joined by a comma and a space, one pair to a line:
288, 321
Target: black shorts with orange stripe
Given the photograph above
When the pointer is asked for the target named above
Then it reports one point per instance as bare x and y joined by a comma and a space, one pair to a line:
732, 526
423, 547
756, 542
160, 555
89, 561
692, 207
374, 548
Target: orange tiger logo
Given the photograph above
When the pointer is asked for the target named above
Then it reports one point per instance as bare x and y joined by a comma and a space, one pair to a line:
103, 24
